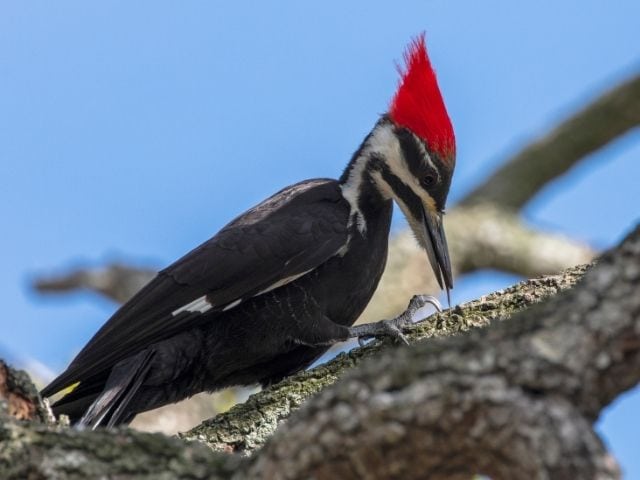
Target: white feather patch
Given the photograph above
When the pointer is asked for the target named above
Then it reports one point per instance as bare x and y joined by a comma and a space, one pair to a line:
232, 305
282, 282
200, 305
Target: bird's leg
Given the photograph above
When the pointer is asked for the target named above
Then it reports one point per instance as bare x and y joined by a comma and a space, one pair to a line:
393, 327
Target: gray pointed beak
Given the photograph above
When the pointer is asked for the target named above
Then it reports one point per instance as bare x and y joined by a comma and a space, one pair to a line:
437, 249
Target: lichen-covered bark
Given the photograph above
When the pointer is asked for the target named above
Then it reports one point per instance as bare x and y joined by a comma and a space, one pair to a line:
515, 400
36, 451
247, 426
19, 398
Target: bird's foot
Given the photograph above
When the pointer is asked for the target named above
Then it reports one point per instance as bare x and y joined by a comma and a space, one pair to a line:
393, 328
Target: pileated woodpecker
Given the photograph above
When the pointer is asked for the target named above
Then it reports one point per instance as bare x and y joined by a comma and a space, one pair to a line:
272, 290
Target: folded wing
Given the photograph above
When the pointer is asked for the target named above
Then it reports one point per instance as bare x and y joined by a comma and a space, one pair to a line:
287, 235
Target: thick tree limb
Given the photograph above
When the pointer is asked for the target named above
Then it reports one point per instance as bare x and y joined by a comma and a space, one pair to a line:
246, 426
29, 451
45, 451
514, 401
604, 120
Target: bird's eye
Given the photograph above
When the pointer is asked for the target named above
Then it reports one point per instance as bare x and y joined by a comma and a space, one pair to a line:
428, 180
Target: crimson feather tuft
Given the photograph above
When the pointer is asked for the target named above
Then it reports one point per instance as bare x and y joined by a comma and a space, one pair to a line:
418, 104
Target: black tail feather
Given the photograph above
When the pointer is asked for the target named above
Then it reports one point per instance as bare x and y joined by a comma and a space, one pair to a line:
123, 383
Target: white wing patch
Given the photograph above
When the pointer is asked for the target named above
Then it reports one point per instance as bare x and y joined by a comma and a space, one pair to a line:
200, 305
232, 304
282, 282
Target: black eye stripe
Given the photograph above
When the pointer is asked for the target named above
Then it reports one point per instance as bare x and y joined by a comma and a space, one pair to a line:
402, 191
411, 152
414, 155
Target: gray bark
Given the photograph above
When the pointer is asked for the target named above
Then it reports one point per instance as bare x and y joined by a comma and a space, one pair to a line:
515, 399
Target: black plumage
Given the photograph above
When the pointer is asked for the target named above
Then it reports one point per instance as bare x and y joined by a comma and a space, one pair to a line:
269, 293
303, 228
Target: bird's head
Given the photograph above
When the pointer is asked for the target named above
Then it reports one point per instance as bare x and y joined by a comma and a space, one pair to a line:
410, 156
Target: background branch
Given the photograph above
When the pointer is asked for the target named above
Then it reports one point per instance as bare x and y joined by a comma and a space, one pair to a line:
116, 281
519, 179
484, 228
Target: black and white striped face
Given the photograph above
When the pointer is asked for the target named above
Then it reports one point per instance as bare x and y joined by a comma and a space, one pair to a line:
406, 171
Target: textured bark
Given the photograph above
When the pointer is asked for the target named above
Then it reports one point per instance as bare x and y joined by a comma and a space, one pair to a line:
519, 179
514, 400
247, 426
29, 451
19, 398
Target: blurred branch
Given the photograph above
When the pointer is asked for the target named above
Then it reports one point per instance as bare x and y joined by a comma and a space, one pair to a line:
480, 237
485, 231
116, 281
519, 179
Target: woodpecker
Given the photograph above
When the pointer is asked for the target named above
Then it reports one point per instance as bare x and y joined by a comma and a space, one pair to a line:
277, 286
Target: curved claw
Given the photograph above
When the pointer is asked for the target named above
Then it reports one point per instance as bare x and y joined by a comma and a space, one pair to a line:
424, 299
419, 301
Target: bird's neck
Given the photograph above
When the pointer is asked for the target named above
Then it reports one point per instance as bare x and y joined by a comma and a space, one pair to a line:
366, 197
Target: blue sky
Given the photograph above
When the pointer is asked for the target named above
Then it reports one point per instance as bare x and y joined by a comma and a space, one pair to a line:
135, 131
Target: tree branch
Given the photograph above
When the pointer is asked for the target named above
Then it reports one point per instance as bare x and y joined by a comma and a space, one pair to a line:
512, 401
116, 281
247, 426
519, 179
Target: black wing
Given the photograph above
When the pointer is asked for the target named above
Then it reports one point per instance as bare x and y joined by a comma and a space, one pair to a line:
292, 232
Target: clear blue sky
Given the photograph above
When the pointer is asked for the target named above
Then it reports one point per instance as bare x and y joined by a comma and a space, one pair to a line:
137, 130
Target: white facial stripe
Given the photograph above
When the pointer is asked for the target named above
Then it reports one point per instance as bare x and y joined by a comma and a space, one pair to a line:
351, 191
398, 166
200, 305
382, 142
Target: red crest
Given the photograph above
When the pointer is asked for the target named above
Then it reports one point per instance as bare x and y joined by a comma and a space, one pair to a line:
418, 104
